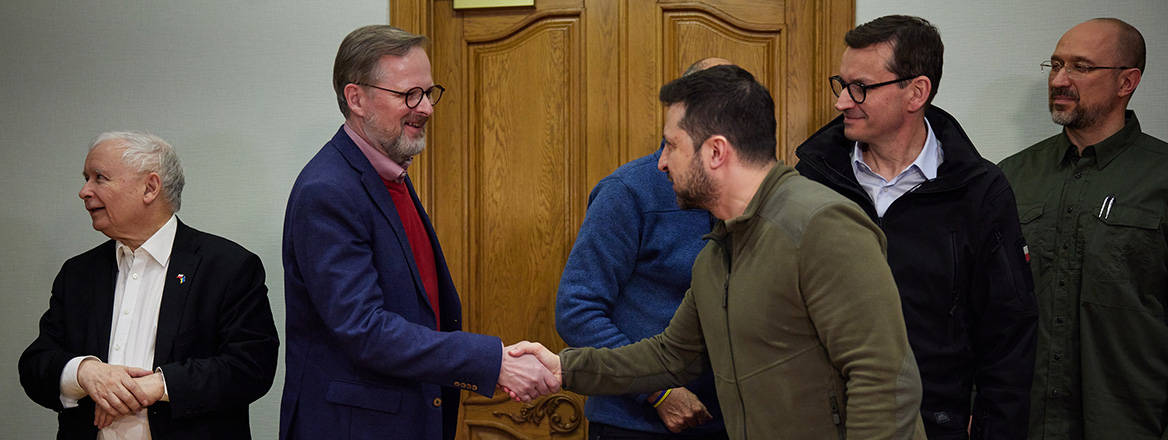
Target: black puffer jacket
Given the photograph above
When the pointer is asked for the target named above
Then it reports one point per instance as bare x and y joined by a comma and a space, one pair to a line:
956, 251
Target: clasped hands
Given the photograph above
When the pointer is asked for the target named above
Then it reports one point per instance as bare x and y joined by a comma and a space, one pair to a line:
118, 390
529, 370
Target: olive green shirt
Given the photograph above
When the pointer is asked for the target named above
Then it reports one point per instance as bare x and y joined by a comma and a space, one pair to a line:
1098, 248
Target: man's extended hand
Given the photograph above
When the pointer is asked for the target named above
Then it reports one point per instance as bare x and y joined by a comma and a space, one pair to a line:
550, 360
112, 387
524, 376
682, 410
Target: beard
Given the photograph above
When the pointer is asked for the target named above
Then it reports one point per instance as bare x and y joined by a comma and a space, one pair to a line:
1080, 116
697, 191
396, 144
403, 148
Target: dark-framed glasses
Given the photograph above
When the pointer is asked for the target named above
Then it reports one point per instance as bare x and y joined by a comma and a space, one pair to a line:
858, 90
414, 96
1076, 69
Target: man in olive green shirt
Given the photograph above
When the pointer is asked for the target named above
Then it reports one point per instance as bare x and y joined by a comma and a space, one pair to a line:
1093, 202
791, 304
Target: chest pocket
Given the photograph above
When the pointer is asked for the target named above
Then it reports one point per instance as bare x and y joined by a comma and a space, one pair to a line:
1124, 265
1039, 237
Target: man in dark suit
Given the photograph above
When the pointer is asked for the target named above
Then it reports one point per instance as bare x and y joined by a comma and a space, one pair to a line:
374, 347
161, 332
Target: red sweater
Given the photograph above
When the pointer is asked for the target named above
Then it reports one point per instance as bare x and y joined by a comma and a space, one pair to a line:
419, 241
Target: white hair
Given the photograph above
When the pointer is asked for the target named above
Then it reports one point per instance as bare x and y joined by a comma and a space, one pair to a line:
150, 154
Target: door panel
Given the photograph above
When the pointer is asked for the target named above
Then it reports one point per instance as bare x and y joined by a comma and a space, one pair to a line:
542, 102
526, 137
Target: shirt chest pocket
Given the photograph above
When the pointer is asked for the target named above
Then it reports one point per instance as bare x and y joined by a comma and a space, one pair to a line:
1039, 235
1124, 266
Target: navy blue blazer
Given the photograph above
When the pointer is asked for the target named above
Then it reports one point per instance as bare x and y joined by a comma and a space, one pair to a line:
216, 341
363, 357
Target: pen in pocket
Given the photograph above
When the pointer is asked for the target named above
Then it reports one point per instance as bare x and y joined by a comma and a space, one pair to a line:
1105, 208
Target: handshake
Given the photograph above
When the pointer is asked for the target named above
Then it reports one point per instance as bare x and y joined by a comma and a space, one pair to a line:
529, 370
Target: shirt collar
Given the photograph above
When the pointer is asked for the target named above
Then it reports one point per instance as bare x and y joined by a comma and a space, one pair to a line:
158, 246
927, 161
1107, 149
385, 167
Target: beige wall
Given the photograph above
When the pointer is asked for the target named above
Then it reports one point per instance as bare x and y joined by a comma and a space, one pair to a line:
241, 88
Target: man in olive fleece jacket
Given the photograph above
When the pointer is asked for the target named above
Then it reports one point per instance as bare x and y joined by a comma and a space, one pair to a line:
791, 305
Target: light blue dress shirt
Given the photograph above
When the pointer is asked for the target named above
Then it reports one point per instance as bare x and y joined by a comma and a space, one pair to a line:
884, 192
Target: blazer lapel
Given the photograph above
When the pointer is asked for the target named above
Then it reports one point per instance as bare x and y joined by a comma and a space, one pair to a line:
380, 195
181, 274
102, 301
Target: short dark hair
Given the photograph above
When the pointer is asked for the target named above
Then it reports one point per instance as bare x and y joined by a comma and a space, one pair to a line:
726, 100
360, 51
916, 46
1131, 43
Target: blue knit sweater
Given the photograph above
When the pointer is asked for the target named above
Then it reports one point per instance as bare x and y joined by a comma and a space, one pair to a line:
626, 275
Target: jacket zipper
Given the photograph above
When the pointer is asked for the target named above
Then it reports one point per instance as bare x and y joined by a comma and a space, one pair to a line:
953, 290
837, 419
727, 248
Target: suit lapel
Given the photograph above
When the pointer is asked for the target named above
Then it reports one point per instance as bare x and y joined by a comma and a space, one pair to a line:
102, 301
181, 274
380, 195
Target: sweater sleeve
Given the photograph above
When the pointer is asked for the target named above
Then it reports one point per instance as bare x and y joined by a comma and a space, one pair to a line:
601, 261
853, 301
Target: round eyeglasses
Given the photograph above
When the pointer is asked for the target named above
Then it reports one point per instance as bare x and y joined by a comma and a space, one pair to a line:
414, 96
858, 90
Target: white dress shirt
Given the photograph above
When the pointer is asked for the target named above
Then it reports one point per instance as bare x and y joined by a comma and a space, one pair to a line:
137, 298
884, 192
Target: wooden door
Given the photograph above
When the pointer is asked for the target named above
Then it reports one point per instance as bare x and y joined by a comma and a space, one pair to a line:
544, 101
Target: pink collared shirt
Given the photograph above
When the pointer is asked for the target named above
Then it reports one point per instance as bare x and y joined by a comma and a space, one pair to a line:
386, 167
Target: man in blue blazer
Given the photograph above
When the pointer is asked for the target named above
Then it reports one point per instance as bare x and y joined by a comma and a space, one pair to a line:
162, 331
373, 319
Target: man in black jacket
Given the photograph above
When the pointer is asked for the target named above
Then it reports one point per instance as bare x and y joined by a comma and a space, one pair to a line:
162, 331
954, 243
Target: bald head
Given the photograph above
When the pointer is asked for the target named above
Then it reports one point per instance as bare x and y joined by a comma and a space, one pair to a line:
706, 63
1113, 37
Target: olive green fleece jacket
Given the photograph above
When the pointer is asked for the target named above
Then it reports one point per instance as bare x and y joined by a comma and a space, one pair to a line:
794, 308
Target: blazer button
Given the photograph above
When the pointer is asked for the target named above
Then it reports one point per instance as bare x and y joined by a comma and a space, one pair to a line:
438, 402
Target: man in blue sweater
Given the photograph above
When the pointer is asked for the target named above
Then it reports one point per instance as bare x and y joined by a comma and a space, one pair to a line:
626, 275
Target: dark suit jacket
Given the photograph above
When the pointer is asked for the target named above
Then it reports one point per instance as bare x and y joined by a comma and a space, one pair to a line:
363, 357
216, 342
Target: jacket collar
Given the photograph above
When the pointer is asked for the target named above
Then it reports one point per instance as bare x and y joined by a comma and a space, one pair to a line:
377, 191
828, 151
774, 178
181, 275
102, 302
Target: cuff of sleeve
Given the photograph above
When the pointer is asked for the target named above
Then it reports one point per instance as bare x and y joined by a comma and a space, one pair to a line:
71, 390
165, 392
643, 399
